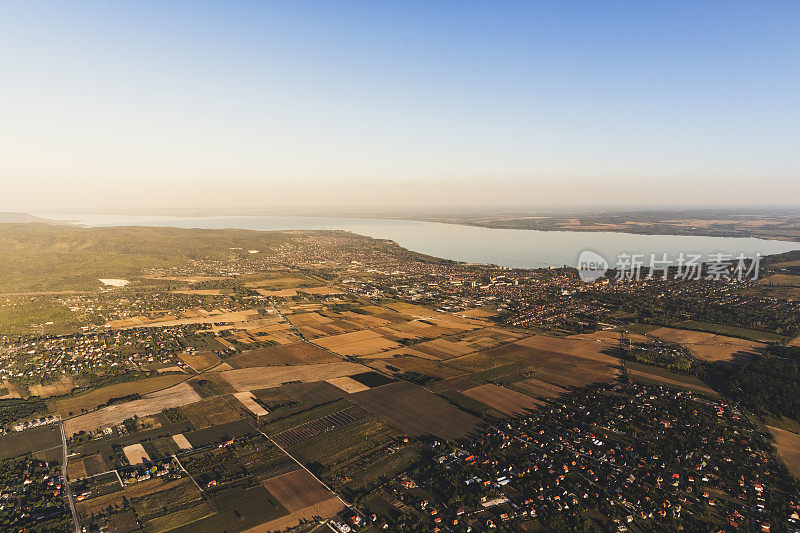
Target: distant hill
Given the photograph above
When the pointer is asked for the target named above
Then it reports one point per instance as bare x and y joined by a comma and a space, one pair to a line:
23, 218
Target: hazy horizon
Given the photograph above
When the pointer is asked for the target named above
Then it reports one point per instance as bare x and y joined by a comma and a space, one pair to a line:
379, 106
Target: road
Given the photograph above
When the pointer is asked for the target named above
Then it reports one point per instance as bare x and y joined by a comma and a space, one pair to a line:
65, 481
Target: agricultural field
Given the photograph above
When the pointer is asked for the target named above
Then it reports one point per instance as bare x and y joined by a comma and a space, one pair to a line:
248, 400
150, 404
538, 389
210, 384
347, 384
212, 411
324, 424
297, 490
136, 454
64, 385
558, 361
248, 379
709, 346
505, 400
356, 344
43, 442
289, 354
416, 410
788, 446
310, 394
323, 452
78, 403
653, 374
82, 467
200, 361
732, 331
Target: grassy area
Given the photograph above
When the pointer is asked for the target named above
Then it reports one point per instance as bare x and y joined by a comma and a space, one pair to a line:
22, 315
731, 331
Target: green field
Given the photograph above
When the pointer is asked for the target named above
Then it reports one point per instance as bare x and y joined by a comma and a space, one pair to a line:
25, 316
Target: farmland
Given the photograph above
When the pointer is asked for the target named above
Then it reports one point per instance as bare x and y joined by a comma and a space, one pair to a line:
709, 346
43, 442
88, 401
416, 411
212, 380
289, 354
502, 399
265, 377
151, 403
788, 446
652, 374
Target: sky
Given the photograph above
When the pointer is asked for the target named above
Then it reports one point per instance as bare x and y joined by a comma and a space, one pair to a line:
398, 104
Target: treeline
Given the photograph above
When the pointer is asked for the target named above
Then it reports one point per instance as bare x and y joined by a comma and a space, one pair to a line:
648, 309
769, 384
17, 409
670, 356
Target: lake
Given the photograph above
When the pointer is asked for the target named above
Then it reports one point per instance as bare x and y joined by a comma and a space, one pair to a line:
504, 247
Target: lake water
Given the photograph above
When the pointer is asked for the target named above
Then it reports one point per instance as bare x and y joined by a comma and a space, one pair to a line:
505, 247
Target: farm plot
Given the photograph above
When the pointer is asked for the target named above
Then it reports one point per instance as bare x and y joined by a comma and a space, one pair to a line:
505, 400
596, 349
324, 424
788, 446
281, 282
347, 384
399, 365
211, 411
297, 490
216, 434
416, 410
325, 509
261, 378
136, 492
322, 291
35, 441
182, 442
152, 403
201, 361
287, 354
247, 399
357, 343
709, 346
652, 374
343, 443
314, 393
136, 454
564, 363
444, 348
63, 386
419, 329
90, 400
538, 389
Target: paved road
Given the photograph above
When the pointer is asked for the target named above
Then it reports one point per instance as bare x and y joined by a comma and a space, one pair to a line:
64, 480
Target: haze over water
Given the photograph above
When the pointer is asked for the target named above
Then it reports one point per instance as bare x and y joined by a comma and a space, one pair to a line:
505, 247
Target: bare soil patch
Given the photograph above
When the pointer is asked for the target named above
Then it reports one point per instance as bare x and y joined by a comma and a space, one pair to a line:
136, 454
347, 384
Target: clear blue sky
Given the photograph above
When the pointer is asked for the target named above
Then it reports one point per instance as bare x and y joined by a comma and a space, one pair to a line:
191, 103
